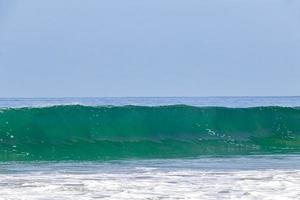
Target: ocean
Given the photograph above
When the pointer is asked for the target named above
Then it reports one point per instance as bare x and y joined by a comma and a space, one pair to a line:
150, 148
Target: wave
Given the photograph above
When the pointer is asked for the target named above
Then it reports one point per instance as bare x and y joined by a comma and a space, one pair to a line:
76, 132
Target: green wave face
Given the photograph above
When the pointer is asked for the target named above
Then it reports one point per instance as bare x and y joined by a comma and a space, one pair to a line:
95, 133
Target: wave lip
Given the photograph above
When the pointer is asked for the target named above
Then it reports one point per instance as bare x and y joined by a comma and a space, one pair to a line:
76, 132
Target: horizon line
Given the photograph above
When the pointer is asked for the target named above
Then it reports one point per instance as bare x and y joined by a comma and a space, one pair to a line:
213, 96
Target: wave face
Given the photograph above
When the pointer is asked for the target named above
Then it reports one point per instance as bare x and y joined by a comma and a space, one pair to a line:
75, 132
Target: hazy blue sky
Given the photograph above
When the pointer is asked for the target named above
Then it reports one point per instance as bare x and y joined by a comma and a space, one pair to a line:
149, 47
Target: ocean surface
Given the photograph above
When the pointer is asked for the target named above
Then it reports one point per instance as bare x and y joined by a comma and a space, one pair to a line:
150, 148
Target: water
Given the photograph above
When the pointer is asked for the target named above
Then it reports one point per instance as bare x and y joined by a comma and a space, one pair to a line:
252, 177
243, 102
159, 170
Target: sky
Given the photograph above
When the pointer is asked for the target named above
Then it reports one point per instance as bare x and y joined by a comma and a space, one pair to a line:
97, 48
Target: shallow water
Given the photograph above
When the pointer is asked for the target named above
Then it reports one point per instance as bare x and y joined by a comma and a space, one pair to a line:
250, 177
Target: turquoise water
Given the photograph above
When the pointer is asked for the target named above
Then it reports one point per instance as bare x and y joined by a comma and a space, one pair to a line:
155, 148
76, 132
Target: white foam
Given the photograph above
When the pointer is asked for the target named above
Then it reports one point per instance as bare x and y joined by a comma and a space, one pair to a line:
150, 183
